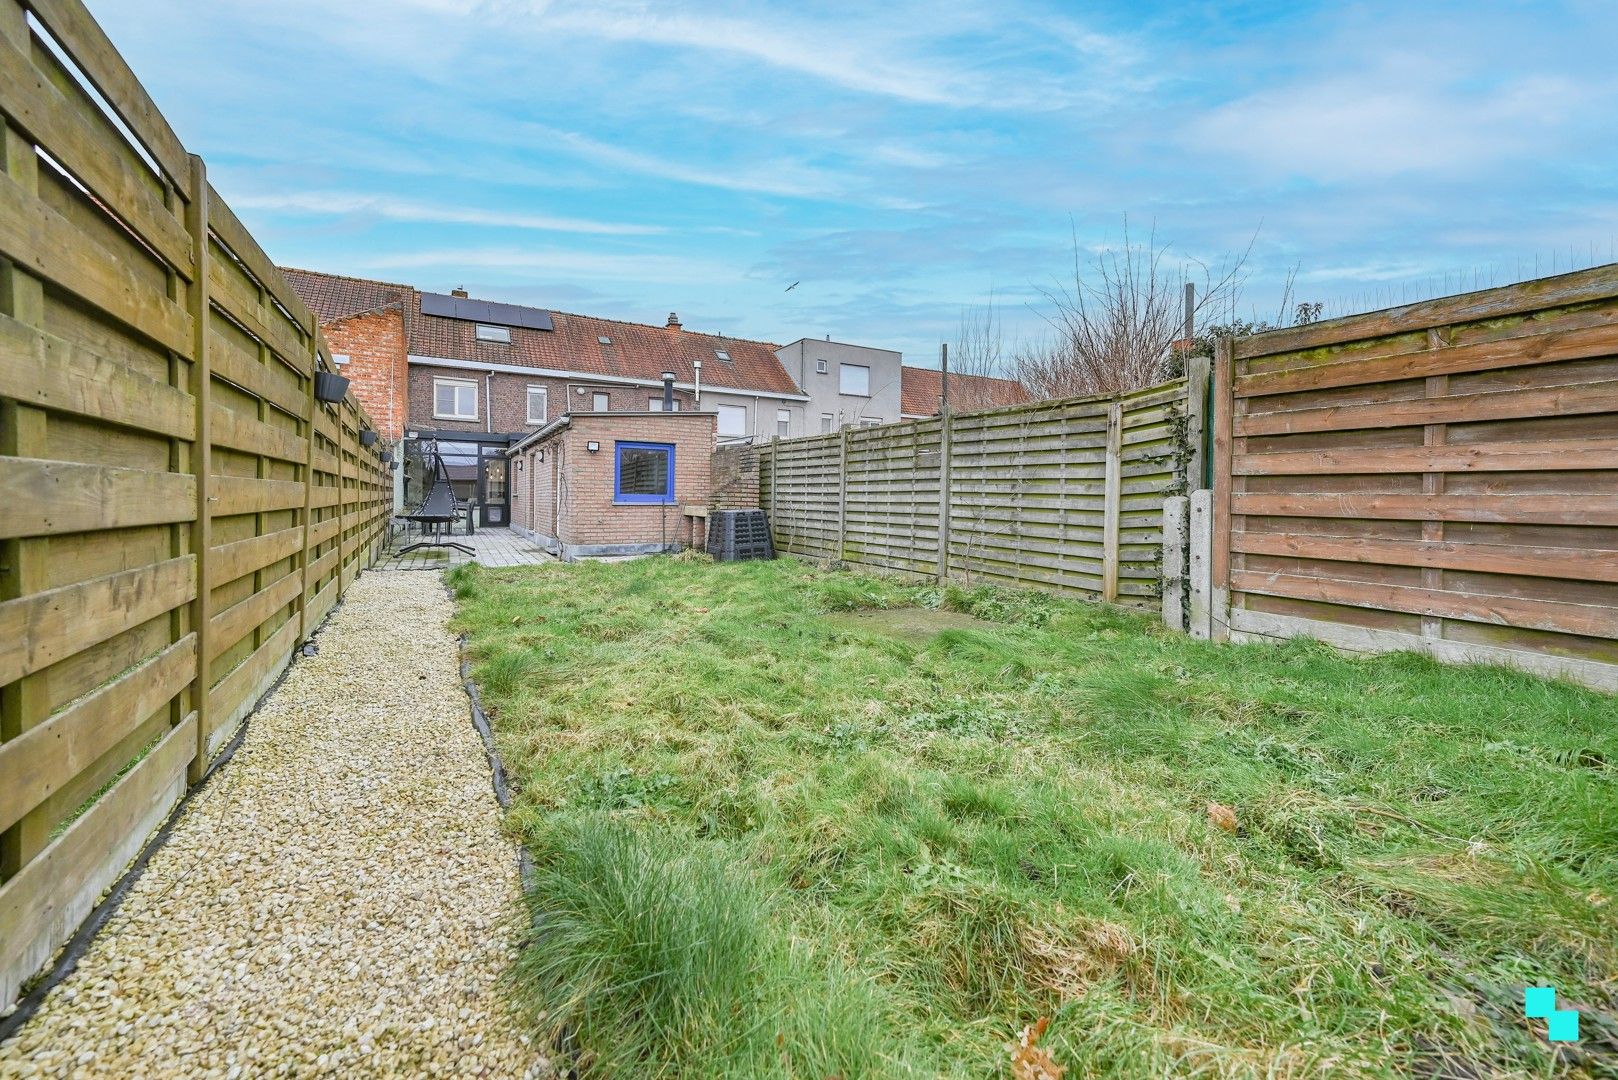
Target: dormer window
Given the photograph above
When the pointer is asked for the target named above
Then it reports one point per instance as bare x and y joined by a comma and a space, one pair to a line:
500, 334
722, 354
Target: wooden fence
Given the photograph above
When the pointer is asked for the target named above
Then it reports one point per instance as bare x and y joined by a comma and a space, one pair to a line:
1440, 477
178, 511
1066, 495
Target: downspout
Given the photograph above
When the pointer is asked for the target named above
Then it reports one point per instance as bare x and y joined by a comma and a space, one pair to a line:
488, 403
696, 383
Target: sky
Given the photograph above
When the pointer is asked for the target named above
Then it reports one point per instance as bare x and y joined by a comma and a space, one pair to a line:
905, 164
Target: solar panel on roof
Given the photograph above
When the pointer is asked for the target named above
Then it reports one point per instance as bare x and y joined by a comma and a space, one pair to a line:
485, 311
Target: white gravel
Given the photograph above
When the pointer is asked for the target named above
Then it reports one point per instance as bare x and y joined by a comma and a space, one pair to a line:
339, 900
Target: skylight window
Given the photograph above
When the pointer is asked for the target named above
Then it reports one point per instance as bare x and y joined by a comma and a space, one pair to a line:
722, 354
604, 339
501, 334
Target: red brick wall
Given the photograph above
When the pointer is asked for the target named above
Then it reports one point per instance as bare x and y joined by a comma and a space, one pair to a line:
375, 346
510, 394
735, 478
589, 516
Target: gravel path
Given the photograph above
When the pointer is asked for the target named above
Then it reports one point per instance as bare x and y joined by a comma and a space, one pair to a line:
339, 900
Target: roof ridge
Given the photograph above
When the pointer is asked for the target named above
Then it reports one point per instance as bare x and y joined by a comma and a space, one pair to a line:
654, 326
346, 277
964, 374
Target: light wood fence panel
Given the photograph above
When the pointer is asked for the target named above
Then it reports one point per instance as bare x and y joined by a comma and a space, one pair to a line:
1065, 495
1441, 477
178, 511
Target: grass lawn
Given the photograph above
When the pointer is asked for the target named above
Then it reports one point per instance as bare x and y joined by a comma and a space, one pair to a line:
792, 822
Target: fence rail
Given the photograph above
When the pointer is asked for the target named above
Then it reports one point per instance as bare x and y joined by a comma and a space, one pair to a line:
1441, 477
180, 512
1066, 495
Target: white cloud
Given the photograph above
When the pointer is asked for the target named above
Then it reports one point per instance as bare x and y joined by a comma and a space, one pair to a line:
566, 265
1390, 119
337, 202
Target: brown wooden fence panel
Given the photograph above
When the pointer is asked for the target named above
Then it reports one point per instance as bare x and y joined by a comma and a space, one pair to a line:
156, 453
1441, 477
1065, 495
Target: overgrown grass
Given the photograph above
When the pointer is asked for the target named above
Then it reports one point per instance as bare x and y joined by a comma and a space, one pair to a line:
779, 839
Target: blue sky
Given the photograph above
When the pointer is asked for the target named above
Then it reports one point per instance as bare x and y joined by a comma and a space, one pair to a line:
902, 161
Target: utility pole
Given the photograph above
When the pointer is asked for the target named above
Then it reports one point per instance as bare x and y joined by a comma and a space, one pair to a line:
943, 367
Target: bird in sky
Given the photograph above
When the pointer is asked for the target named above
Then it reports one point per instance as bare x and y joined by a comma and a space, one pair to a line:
794, 285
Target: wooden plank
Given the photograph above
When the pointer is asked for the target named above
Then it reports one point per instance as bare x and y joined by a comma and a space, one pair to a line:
258, 379
231, 294
1598, 283
1594, 620
82, 38
250, 495
242, 557
251, 435
40, 369
1261, 625
46, 627
242, 618
47, 244
1508, 509
45, 901
1546, 455
1110, 505
233, 235
75, 140
1573, 564
1572, 400
1552, 346
1221, 504
234, 695
41, 760
46, 497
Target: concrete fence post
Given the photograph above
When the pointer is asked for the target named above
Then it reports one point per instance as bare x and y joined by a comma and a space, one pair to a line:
1112, 502
842, 496
946, 450
1176, 535
1200, 564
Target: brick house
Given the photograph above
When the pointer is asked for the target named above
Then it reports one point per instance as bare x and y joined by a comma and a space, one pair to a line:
477, 376
618, 483
922, 392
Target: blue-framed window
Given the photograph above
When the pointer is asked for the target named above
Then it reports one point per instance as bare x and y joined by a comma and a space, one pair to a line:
644, 473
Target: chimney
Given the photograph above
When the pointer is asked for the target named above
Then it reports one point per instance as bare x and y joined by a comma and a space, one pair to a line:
458, 291
674, 321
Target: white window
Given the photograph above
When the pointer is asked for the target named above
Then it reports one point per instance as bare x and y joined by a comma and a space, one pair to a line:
732, 419
455, 399
827, 422
538, 404
820, 367
656, 405
339, 358
854, 380
783, 422
600, 401
501, 334
870, 421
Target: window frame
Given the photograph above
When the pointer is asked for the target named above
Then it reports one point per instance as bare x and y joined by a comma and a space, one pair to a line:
496, 335
594, 395
822, 367
619, 497
470, 384
842, 372
783, 423
720, 411
528, 405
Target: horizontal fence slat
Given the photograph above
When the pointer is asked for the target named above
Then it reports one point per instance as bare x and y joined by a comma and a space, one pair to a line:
1572, 400
1547, 455
1574, 563
44, 497
1529, 509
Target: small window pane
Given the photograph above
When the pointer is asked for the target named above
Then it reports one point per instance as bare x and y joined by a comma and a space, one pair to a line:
455, 400
644, 472
538, 403
820, 367
783, 422
600, 402
502, 334
854, 379
825, 423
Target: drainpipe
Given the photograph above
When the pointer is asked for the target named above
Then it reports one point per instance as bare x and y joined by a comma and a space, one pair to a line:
668, 391
696, 376
488, 402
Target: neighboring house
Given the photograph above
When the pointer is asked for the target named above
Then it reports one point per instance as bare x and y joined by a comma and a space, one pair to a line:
617, 483
478, 376
848, 385
924, 392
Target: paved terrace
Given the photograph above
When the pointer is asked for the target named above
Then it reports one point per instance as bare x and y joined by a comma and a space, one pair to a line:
493, 547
